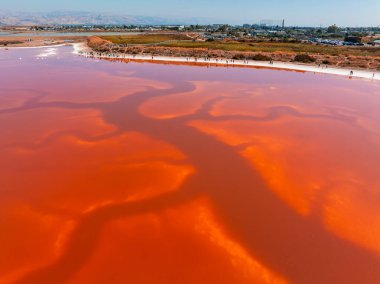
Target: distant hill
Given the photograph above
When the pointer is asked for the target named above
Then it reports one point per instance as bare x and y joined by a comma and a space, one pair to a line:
86, 18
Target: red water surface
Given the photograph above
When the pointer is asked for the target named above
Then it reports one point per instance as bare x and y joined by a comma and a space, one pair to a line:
145, 173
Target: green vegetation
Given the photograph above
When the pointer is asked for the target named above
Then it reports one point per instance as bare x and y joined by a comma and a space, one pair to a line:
256, 57
145, 39
334, 29
8, 42
279, 47
181, 40
304, 58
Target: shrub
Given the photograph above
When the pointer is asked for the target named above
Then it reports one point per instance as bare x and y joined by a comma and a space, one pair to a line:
304, 58
239, 56
326, 62
6, 42
260, 57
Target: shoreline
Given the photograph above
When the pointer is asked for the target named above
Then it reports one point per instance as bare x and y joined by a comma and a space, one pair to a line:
82, 49
37, 46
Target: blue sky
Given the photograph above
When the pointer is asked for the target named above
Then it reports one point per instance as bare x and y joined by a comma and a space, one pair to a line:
295, 12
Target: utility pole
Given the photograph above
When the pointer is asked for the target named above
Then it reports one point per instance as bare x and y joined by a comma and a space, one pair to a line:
283, 24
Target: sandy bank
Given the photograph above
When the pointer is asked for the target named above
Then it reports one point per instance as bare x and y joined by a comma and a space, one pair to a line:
83, 50
38, 41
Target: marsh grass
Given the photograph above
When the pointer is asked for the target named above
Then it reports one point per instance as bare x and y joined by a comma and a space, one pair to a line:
181, 40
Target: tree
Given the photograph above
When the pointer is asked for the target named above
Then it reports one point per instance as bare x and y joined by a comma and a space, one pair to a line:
223, 28
333, 29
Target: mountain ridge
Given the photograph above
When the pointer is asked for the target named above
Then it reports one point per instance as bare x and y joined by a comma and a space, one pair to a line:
11, 18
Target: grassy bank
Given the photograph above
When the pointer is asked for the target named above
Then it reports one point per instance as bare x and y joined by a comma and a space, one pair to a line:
145, 39
181, 40
181, 45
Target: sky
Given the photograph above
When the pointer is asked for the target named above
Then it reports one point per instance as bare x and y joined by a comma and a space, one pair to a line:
295, 12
